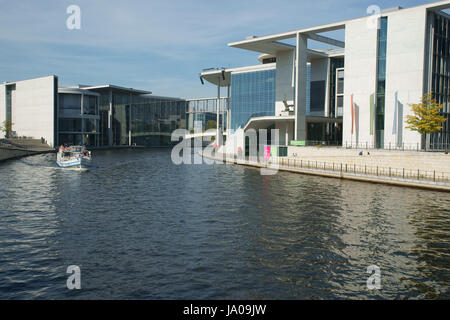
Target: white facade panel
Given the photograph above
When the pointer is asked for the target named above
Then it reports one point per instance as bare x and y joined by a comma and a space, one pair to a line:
286, 132
359, 80
404, 73
283, 82
32, 109
2, 107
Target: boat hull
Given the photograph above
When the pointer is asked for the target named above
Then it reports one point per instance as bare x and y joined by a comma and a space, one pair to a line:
81, 163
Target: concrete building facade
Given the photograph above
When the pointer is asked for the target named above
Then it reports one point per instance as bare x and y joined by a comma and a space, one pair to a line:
31, 106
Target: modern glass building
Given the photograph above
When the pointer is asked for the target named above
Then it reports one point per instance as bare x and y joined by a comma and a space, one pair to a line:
135, 117
357, 93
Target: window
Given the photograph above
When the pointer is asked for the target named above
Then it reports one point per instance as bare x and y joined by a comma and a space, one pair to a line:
70, 125
70, 103
340, 106
89, 104
269, 60
317, 95
381, 76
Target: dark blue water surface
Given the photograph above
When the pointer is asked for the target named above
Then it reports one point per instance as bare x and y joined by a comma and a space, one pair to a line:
141, 227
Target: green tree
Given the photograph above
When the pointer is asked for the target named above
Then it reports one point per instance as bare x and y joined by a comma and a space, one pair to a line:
211, 124
6, 127
426, 118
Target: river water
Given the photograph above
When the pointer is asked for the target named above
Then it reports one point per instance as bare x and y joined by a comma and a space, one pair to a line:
140, 227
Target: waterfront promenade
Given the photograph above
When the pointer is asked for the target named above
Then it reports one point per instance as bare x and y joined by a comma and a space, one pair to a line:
16, 148
410, 160
428, 170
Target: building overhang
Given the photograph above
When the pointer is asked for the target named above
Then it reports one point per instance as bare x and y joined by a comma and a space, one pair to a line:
220, 77
78, 91
269, 44
268, 47
116, 88
266, 121
223, 76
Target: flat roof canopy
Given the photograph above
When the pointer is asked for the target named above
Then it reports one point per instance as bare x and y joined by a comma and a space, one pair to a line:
215, 76
77, 91
116, 88
269, 43
266, 121
269, 47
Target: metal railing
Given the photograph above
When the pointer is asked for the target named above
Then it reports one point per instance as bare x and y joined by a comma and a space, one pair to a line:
400, 174
396, 147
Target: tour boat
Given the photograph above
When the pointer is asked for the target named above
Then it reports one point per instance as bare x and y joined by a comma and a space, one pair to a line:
74, 156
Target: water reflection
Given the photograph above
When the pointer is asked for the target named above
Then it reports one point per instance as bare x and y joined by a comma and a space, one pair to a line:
141, 227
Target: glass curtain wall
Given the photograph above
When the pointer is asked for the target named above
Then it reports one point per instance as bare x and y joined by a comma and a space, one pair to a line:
149, 120
204, 110
104, 119
381, 82
70, 129
440, 76
8, 114
154, 119
252, 95
78, 119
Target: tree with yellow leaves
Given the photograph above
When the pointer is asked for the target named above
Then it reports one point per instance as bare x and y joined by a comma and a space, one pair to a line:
6, 127
426, 118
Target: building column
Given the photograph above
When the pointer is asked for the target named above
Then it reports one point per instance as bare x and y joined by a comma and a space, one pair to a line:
129, 120
110, 118
286, 133
300, 87
228, 109
223, 119
327, 91
83, 129
218, 142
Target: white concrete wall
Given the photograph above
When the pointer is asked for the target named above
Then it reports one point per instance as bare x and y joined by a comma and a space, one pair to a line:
2, 107
286, 131
404, 69
404, 74
234, 141
284, 87
359, 79
33, 108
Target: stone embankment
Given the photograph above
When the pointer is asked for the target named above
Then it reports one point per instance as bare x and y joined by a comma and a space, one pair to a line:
427, 170
16, 148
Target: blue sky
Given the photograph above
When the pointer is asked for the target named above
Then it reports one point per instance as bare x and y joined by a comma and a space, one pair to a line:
160, 46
